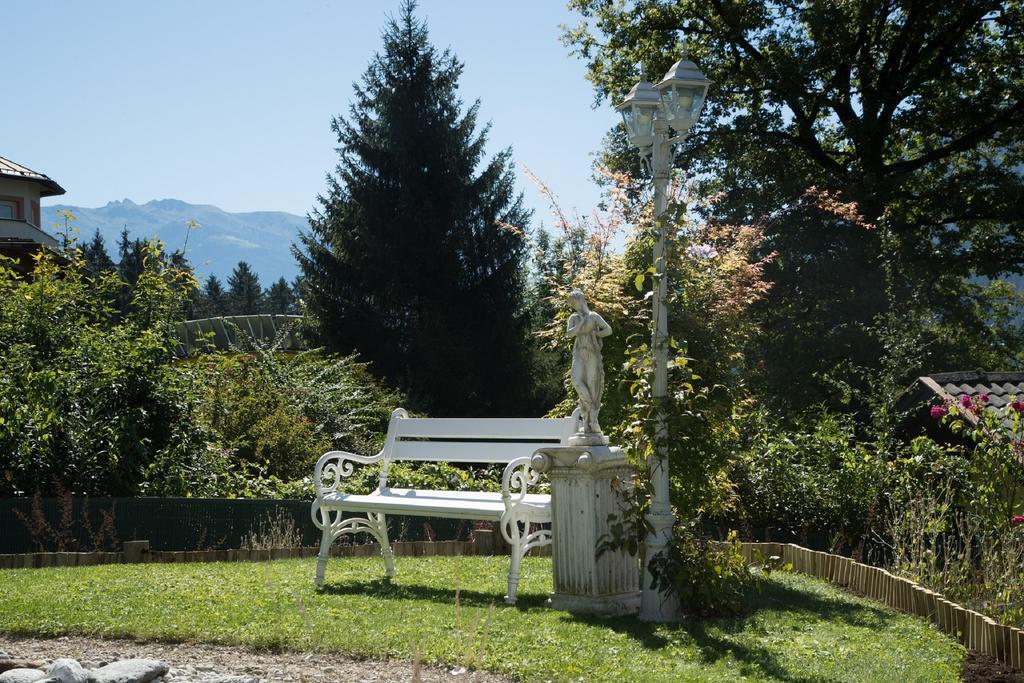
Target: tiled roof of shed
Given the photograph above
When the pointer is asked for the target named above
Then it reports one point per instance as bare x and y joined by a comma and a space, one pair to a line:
1001, 387
14, 170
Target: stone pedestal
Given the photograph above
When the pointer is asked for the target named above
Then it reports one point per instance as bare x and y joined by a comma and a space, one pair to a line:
586, 488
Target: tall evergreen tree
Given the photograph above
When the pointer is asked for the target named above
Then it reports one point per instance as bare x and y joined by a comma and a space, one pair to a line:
297, 289
97, 259
279, 299
244, 292
409, 259
213, 300
132, 254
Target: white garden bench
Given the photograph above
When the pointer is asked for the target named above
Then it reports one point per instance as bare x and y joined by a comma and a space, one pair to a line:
511, 442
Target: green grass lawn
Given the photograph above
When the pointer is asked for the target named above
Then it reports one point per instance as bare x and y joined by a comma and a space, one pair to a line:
798, 629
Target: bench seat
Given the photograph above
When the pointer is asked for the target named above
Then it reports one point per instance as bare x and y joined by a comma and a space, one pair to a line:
451, 504
523, 516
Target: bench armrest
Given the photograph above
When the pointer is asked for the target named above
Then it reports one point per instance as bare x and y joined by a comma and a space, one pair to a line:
517, 479
333, 466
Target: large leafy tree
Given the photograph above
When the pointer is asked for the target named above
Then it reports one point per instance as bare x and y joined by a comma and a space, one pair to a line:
411, 259
911, 111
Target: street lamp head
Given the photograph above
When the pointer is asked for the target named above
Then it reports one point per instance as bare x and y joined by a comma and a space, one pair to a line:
638, 111
683, 90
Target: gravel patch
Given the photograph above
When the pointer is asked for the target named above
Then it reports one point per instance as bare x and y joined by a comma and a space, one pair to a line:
203, 663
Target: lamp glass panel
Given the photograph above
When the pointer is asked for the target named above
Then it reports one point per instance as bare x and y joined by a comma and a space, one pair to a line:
683, 102
643, 120
627, 118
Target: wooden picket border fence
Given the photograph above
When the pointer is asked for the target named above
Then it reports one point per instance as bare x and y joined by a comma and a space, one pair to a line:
135, 552
974, 630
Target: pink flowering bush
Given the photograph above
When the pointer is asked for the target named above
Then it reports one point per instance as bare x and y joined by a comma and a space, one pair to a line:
961, 536
996, 437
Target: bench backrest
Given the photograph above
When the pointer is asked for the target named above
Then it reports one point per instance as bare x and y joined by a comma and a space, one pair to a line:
474, 440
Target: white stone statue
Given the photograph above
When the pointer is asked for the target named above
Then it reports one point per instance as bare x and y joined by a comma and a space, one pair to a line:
588, 328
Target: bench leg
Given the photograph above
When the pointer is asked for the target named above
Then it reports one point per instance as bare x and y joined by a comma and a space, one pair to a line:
385, 544
325, 551
515, 539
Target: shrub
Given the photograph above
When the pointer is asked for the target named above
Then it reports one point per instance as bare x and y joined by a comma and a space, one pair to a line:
996, 461
88, 397
814, 475
276, 413
709, 578
716, 277
960, 531
959, 554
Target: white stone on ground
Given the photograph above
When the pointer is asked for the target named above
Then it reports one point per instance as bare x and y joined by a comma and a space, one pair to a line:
22, 676
68, 671
129, 671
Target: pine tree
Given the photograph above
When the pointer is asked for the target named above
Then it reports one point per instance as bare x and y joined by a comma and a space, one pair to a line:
278, 298
182, 277
244, 292
213, 300
409, 259
132, 254
297, 293
97, 259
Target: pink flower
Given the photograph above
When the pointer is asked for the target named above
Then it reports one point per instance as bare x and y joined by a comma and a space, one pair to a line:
1017, 520
1018, 406
984, 398
965, 401
938, 412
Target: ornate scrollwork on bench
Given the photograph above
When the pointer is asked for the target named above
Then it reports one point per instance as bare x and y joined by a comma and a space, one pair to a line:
520, 475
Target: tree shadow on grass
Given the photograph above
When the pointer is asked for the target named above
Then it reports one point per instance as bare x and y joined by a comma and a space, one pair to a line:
711, 636
776, 596
753, 659
393, 590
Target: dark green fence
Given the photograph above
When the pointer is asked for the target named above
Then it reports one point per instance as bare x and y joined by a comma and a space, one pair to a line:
84, 524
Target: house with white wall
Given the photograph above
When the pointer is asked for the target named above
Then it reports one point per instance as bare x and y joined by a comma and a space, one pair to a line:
21, 232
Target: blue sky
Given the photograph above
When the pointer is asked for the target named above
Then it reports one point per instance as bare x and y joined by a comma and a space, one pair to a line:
229, 102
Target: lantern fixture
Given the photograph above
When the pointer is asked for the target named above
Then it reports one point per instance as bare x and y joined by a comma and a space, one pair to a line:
682, 90
638, 112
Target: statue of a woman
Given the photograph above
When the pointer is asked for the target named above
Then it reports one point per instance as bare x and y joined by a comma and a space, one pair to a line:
588, 328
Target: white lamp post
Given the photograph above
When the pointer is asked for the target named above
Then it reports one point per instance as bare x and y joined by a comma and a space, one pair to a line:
656, 118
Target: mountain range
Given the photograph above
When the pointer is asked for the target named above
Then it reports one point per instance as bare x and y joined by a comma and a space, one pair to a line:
261, 238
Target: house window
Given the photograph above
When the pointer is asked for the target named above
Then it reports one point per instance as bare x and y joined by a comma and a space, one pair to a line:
12, 208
